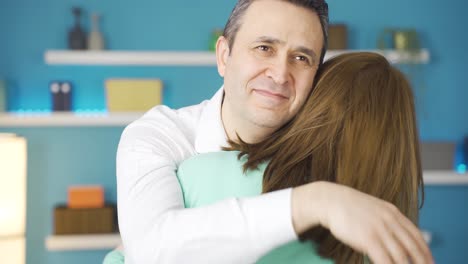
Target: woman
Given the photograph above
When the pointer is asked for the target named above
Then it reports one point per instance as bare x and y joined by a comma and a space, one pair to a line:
357, 128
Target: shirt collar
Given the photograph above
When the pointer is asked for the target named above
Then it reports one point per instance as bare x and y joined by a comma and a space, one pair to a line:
210, 135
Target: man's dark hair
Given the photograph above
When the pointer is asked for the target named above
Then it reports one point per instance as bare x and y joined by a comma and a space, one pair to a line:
235, 19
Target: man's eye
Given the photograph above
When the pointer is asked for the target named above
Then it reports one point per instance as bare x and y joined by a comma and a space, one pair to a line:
303, 59
263, 48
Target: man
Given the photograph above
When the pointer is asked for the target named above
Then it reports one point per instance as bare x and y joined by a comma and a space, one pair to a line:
268, 57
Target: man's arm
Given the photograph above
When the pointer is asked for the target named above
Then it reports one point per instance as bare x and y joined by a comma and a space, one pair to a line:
154, 225
365, 223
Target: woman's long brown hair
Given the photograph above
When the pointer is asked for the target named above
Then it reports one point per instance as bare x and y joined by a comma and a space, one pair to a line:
357, 128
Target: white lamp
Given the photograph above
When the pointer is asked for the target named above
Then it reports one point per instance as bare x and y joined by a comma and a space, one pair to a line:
12, 199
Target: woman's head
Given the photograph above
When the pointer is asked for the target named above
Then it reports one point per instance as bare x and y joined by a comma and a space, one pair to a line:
361, 116
358, 128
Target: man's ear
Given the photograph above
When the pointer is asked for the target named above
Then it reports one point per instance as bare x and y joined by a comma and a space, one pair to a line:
222, 54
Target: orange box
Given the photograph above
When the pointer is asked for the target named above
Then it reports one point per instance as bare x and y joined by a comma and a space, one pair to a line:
91, 196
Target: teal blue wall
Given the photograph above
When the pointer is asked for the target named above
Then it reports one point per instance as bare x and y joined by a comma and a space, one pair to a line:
440, 86
59, 157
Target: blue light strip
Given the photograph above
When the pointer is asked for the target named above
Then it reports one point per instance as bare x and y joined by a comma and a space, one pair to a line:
47, 111
461, 168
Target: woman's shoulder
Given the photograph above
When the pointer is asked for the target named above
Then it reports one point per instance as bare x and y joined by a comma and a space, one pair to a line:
210, 177
213, 158
209, 167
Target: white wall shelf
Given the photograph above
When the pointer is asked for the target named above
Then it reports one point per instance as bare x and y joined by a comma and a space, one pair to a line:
433, 177
82, 242
188, 58
110, 241
67, 119
130, 58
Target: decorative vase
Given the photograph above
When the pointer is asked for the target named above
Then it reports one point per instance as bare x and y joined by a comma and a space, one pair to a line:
76, 35
95, 40
215, 34
3, 96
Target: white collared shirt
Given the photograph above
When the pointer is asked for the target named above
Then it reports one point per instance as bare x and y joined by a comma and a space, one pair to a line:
154, 225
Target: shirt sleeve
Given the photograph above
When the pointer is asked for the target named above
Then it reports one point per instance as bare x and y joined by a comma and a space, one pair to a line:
156, 228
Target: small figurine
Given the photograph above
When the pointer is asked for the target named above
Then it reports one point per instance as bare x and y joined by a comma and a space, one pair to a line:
66, 91
61, 95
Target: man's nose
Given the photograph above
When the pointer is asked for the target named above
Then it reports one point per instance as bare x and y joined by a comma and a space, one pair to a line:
278, 70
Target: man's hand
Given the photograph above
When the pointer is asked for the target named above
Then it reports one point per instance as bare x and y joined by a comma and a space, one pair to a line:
365, 223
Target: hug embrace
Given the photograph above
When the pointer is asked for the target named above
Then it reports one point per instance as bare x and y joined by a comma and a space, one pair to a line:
293, 160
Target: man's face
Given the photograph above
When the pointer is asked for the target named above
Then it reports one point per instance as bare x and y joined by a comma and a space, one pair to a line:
270, 70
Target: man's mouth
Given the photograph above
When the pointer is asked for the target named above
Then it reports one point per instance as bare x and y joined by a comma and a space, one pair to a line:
273, 95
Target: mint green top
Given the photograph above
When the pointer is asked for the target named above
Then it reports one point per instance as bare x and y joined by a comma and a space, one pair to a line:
211, 177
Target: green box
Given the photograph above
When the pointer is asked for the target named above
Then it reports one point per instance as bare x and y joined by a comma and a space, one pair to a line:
3, 103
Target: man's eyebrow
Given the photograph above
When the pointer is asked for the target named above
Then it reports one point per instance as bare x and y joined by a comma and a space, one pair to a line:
270, 40
302, 49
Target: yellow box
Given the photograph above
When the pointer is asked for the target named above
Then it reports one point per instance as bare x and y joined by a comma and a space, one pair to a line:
133, 95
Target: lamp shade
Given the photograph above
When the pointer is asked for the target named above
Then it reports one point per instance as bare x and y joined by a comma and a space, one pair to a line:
12, 198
